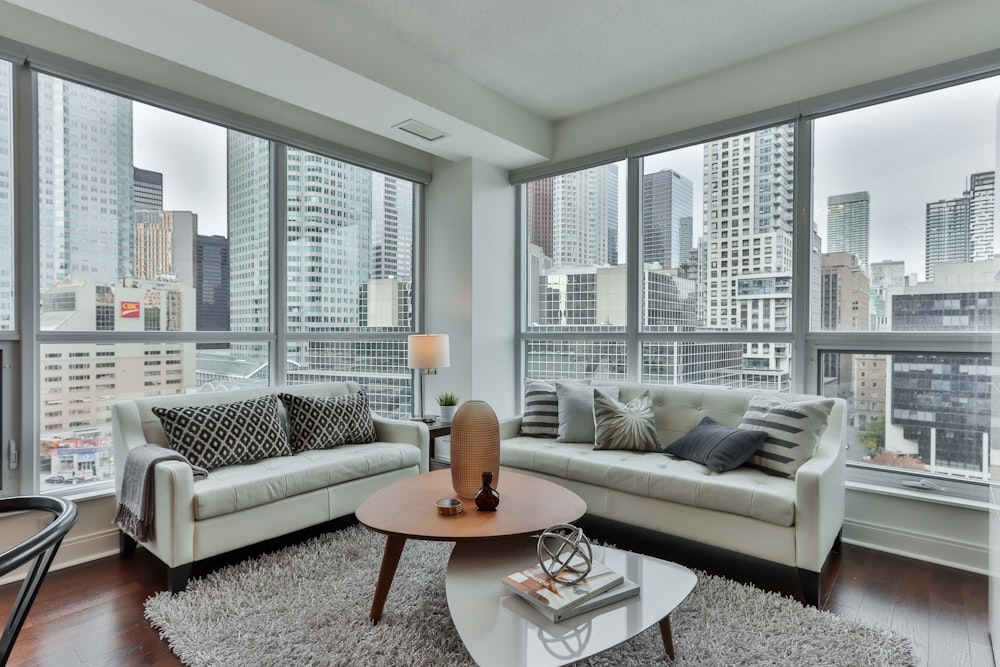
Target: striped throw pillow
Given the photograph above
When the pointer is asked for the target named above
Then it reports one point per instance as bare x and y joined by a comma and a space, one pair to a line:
540, 418
793, 430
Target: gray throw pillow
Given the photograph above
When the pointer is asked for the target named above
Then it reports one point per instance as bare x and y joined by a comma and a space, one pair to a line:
213, 436
323, 422
576, 410
793, 430
717, 447
628, 426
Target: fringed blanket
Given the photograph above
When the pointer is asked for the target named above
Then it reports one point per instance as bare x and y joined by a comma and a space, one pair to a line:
135, 509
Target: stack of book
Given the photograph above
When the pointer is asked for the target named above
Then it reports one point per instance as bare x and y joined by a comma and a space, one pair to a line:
558, 601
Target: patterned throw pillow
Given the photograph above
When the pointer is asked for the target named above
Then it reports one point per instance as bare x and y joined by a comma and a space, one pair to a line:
624, 426
793, 429
717, 447
322, 422
541, 410
212, 436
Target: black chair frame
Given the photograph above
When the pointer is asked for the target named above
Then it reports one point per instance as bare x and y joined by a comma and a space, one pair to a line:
42, 548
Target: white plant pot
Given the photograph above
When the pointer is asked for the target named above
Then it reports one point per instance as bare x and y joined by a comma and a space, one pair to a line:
448, 413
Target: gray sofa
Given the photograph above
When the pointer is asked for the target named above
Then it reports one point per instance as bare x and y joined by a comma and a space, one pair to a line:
792, 521
240, 505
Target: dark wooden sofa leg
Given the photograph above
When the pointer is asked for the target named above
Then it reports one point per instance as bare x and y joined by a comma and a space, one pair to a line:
126, 545
177, 577
838, 543
810, 586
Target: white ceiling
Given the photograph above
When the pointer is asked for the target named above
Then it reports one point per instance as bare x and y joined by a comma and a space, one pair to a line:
496, 75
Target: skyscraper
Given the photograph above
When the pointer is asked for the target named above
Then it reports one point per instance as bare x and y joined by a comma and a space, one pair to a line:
165, 245
747, 270
147, 190
963, 229
847, 225
667, 218
85, 233
212, 285
582, 216
539, 209
392, 227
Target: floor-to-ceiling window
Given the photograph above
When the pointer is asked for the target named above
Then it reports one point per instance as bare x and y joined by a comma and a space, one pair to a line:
165, 265
851, 253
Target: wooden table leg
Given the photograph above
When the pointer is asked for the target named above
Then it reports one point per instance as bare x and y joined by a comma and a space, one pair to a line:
390, 559
668, 637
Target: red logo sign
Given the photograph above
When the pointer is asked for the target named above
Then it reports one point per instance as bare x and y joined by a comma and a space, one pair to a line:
130, 309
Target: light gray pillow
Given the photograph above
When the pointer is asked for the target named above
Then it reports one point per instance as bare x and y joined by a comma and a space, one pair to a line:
793, 430
628, 426
576, 410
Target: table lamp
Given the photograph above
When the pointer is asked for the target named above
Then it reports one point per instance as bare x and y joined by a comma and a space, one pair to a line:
427, 352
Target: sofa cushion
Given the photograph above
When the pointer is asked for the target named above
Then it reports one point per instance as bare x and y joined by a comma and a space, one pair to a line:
744, 491
321, 422
541, 410
576, 410
240, 487
792, 429
719, 447
624, 425
212, 436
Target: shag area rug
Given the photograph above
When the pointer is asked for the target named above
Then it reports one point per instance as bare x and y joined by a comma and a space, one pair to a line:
308, 605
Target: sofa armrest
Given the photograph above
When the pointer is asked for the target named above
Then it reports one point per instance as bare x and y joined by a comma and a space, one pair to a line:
819, 498
173, 518
510, 427
411, 432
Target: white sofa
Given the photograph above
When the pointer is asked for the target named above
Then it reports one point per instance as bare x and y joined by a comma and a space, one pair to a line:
240, 505
794, 522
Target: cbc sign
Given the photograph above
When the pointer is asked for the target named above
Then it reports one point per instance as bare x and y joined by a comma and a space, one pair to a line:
130, 309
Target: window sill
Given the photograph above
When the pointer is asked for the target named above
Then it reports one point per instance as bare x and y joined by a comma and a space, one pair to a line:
78, 494
917, 495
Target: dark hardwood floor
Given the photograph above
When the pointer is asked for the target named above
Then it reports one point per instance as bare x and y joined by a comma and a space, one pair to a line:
92, 614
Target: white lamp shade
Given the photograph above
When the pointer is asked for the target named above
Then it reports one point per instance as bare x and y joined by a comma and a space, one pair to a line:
429, 351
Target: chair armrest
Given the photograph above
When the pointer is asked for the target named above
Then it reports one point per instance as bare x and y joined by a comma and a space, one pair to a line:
173, 518
819, 499
411, 432
510, 427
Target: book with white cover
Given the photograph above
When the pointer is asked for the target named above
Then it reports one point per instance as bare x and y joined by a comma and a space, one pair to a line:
622, 591
534, 585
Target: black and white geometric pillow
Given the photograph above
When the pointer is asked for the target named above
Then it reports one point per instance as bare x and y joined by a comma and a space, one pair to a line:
213, 436
793, 430
322, 422
629, 426
541, 410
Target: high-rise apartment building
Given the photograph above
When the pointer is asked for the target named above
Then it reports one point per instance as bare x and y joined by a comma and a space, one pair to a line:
539, 214
584, 217
886, 276
963, 229
165, 245
847, 225
667, 218
147, 190
844, 301
982, 226
747, 270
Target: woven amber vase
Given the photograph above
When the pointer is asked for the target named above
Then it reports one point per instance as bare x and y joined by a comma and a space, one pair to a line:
475, 447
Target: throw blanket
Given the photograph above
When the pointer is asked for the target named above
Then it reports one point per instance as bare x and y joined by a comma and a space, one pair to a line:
135, 508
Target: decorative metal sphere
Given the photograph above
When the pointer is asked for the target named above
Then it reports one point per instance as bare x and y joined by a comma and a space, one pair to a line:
565, 554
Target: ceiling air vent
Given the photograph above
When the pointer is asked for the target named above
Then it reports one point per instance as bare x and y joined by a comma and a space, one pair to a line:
421, 130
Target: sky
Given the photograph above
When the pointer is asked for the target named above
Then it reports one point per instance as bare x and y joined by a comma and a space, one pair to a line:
905, 153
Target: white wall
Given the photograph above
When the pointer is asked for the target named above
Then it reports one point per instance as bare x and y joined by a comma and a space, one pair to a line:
470, 232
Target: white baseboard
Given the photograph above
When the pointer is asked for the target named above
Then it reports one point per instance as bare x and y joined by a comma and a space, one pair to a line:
75, 552
972, 557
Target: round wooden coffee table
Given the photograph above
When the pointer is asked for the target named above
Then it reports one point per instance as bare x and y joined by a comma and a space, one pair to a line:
405, 510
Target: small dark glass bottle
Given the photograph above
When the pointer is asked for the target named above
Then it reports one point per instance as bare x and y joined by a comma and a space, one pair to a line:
487, 499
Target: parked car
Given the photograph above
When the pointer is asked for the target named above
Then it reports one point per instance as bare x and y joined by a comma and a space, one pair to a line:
55, 479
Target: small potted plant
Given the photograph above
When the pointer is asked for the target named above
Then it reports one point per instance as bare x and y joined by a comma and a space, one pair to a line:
448, 402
